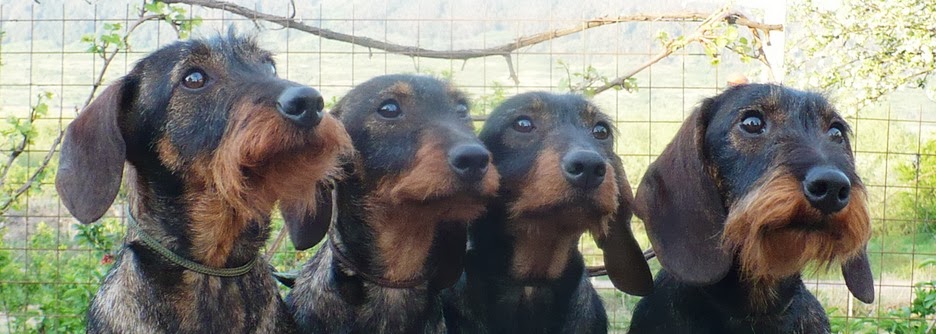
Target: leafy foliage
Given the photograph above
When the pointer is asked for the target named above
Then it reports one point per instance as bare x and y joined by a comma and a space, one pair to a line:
47, 285
720, 36
918, 205
486, 103
19, 133
864, 49
114, 37
917, 318
175, 16
110, 37
585, 81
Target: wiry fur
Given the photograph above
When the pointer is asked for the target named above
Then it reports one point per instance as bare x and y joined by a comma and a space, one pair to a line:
524, 272
402, 213
205, 168
728, 215
762, 227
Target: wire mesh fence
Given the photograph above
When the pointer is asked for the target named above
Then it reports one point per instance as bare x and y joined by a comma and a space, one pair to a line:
50, 265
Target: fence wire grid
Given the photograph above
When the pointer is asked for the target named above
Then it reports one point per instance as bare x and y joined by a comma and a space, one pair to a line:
50, 265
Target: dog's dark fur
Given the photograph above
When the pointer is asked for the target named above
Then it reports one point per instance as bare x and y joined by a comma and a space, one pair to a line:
560, 178
418, 178
734, 215
206, 166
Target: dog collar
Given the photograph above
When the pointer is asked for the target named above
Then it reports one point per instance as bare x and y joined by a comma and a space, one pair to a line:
168, 254
334, 242
383, 282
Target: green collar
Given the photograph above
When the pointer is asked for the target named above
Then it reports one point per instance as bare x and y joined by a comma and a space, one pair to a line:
157, 247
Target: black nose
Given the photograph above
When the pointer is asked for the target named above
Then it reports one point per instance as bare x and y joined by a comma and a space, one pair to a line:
584, 169
469, 161
827, 189
301, 105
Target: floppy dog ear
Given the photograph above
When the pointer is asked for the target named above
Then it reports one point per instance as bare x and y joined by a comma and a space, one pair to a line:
682, 208
858, 277
308, 223
92, 157
624, 261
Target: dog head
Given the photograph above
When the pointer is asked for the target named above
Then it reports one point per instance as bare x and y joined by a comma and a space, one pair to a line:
555, 154
763, 174
205, 124
416, 151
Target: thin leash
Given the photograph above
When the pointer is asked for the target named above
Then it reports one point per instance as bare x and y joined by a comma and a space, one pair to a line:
168, 254
596, 271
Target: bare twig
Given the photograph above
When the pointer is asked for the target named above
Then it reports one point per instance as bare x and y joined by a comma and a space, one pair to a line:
621, 79
701, 34
98, 80
35, 175
20, 148
276, 242
17, 150
504, 50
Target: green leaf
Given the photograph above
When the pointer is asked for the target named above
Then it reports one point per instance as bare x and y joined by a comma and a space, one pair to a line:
731, 33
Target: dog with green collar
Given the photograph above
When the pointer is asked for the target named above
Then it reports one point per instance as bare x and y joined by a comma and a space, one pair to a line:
212, 140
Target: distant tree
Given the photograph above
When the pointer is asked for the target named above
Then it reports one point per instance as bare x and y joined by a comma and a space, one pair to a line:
863, 49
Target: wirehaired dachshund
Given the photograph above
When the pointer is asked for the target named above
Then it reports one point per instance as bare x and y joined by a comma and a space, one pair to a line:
397, 232
212, 139
560, 178
759, 182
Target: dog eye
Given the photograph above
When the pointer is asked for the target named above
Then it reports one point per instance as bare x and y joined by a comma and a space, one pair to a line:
271, 67
601, 131
753, 124
390, 109
523, 124
195, 79
462, 110
836, 133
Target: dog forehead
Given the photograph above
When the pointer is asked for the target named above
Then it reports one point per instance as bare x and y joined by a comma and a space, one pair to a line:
419, 96
549, 110
780, 104
421, 90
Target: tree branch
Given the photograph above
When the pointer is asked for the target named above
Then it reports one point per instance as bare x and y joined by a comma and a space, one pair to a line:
35, 175
701, 34
464, 54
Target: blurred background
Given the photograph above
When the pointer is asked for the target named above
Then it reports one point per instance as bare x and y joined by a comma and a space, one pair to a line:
648, 64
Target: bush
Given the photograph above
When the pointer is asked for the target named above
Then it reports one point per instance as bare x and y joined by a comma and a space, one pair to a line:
913, 319
917, 207
48, 280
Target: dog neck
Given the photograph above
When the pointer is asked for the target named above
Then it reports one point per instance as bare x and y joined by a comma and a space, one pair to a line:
398, 242
535, 249
541, 248
742, 297
167, 216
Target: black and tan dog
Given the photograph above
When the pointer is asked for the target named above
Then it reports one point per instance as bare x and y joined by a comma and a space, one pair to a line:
759, 181
560, 178
420, 175
212, 139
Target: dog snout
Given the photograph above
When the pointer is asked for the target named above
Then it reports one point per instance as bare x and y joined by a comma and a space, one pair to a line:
584, 169
827, 189
469, 161
301, 105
